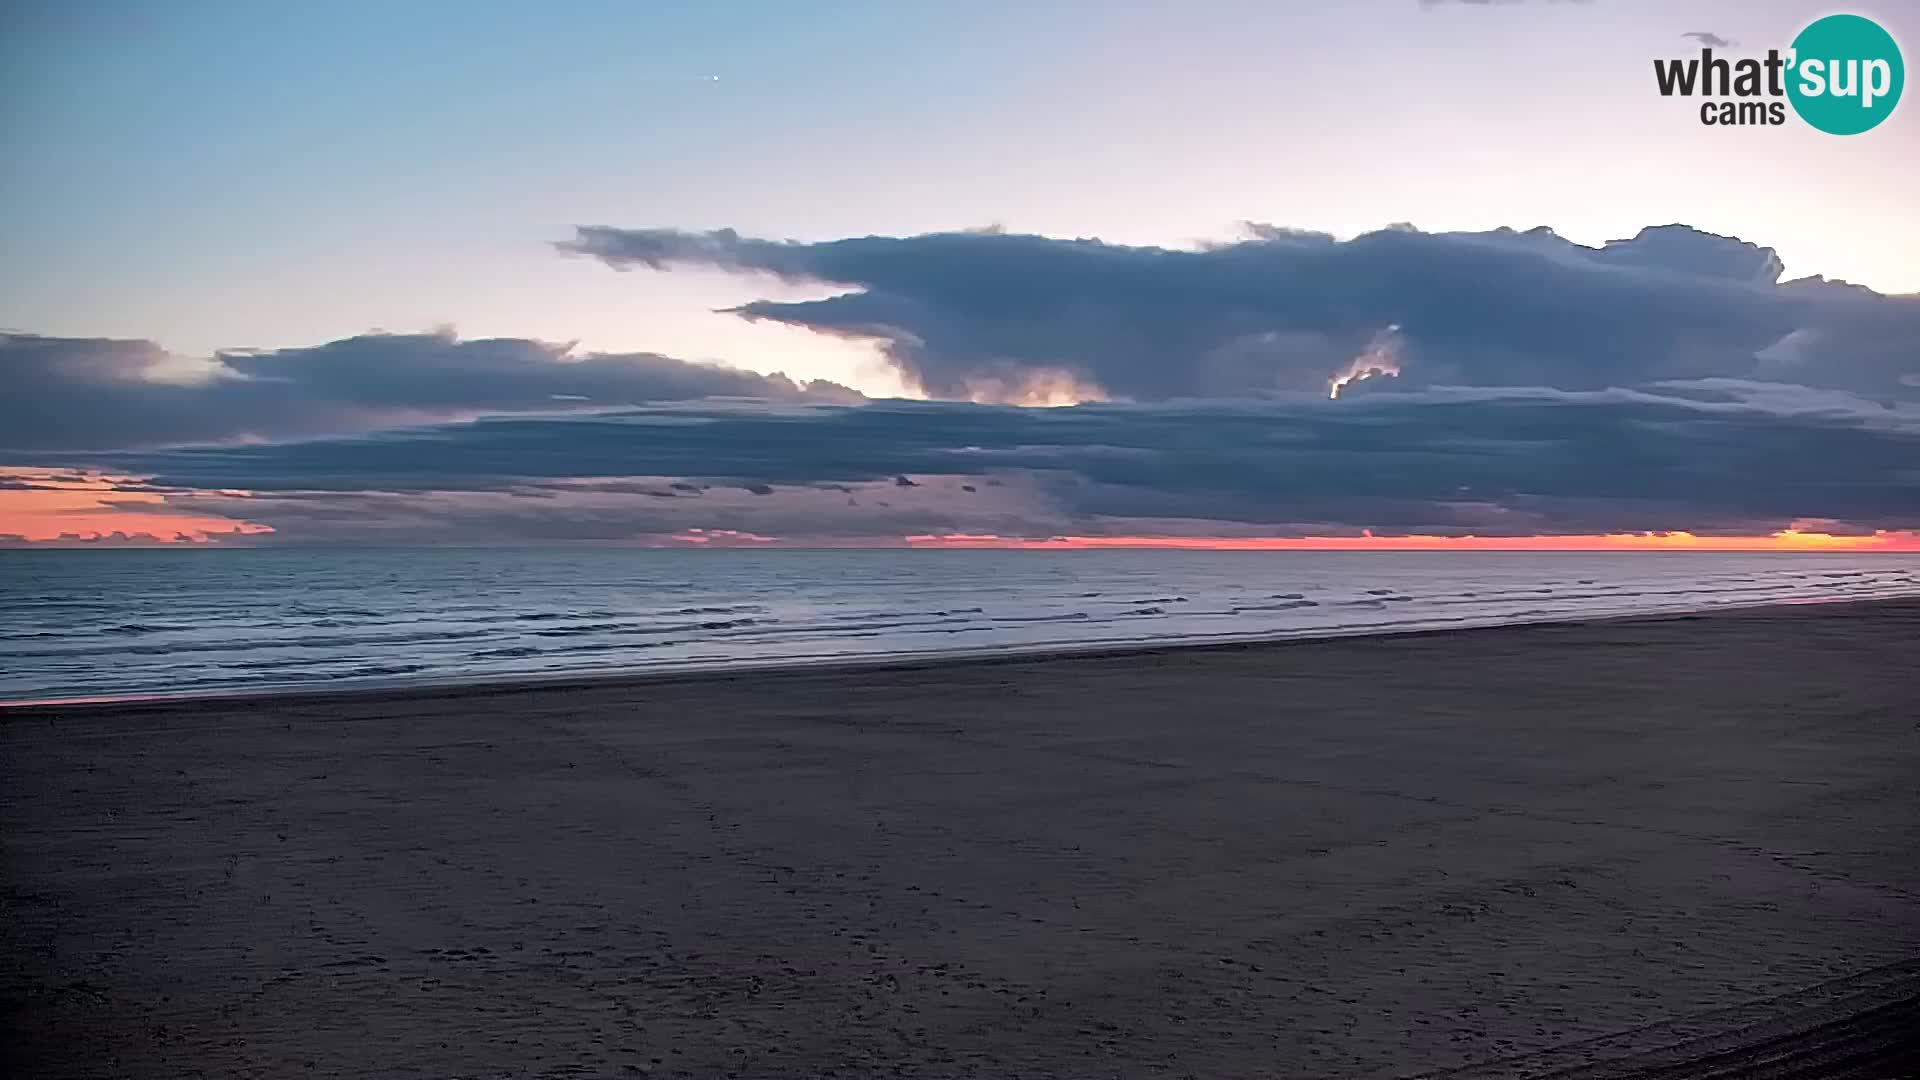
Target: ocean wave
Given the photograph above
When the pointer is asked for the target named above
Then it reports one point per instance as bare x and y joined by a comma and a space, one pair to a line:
1292, 605
204, 631
245, 645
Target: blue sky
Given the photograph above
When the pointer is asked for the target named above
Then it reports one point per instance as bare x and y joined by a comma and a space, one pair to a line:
216, 175
466, 265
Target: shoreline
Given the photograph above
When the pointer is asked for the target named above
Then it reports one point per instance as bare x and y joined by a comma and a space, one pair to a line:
454, 686
1610, 846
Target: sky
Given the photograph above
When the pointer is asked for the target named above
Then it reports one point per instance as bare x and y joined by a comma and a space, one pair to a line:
820, 265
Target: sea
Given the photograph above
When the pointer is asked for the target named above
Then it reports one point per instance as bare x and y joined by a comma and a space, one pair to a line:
113, 623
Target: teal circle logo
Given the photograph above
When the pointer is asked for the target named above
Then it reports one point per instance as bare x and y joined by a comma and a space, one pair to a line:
1846, 74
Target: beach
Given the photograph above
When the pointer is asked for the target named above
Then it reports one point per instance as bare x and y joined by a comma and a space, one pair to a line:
1587, 849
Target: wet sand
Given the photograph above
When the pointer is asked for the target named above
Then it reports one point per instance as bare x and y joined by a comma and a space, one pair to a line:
1634, 848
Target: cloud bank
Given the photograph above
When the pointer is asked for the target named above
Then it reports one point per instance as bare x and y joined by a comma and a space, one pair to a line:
84, 394
1714, 457
1508, 383
988, 315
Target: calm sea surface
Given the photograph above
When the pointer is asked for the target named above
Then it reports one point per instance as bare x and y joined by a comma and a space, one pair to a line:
81, 623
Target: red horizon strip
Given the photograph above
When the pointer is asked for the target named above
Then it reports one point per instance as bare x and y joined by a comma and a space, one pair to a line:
63, 506
1785, 540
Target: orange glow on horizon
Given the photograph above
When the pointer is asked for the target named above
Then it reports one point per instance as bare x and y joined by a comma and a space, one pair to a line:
43, 506
1785, 540
66, 506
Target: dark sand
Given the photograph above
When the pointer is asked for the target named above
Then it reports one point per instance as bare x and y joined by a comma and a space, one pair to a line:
1505, 851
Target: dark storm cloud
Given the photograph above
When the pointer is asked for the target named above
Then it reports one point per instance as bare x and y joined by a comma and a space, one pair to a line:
1709, 39
1713, 456
993, 315
74, 393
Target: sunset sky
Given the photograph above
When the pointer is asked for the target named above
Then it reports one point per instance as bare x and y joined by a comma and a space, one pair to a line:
1381, 273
